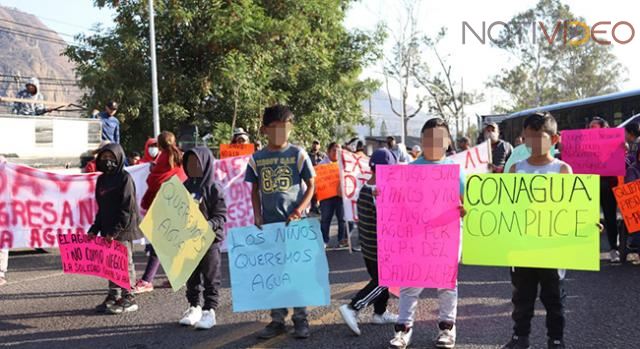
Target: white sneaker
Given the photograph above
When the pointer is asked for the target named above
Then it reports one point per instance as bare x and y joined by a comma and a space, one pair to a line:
401, 340
615, 256
386, 318
446, 338
207, 321
350, 317
633, 258
191, 316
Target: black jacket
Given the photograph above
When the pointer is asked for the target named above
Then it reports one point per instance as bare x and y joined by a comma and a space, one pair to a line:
117, 214
212, 204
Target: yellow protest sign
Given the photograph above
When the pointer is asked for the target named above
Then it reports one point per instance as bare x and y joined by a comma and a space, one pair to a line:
178, 231
532, 220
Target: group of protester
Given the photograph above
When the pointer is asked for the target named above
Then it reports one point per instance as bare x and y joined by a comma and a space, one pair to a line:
276, 200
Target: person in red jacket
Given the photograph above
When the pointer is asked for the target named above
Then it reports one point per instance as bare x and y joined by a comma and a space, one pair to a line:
151, 151
167, 164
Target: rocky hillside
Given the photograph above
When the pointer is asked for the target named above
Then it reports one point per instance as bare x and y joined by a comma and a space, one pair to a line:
30, 48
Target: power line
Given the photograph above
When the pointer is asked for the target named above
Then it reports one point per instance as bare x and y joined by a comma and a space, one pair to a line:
65, 23
33, 36
44, 83
36, 28
40, 78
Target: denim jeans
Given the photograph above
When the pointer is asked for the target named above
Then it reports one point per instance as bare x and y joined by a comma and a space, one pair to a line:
329, 208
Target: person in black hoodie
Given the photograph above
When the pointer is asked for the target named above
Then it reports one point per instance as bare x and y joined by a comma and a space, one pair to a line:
198, 164
117, 219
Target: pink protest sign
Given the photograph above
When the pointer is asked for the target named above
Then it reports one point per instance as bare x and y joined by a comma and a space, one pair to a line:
418, 220
229, 173
82, 254
594, 151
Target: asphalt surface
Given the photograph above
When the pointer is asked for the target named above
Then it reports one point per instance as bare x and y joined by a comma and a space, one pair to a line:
43, 308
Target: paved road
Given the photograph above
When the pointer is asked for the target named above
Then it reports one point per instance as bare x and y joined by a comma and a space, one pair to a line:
42, 308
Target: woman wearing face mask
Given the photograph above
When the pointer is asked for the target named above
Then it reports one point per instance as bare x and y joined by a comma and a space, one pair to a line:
151, 151
167, 165
500, 150
608, 203
117, 219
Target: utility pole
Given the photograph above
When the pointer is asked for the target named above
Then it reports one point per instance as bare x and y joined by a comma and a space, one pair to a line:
461, 105
370, 119
154, 72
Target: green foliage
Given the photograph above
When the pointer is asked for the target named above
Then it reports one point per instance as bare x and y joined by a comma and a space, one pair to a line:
217, 59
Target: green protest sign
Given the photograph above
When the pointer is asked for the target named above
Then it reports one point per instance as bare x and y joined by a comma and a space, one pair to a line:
532, 220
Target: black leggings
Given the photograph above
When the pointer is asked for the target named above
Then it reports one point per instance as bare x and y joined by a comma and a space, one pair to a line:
609, 206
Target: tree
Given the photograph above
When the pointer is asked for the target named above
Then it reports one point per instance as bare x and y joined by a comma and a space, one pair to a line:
403, 64
225, 61
546, 72
446, 98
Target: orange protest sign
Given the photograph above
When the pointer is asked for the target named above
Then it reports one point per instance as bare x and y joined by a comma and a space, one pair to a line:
231, 150
628, 197
327, 181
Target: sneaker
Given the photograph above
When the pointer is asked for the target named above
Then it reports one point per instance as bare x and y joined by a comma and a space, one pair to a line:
142, 287
517, 342
109, 302
207, 321
386, 318
343, 244
446, 336
191, 316
555, 344
633, 258
125, 304
614, 255
272, 330
350, 317
301, 329
356, 249
402, 338
3, 281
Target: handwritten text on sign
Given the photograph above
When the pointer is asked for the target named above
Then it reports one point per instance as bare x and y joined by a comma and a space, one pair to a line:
229, 174
178, 231
418, 225
628, 197
36, 205
95, 256
595, 151
527, 220
354, 172
279, 266
231, 150
327, 181
474, 160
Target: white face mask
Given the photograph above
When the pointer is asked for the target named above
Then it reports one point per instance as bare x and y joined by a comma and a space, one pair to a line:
153, 151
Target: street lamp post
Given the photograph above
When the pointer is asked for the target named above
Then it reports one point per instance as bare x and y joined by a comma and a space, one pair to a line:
154, 72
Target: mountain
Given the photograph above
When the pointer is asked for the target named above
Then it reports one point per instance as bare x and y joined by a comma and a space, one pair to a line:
31, 49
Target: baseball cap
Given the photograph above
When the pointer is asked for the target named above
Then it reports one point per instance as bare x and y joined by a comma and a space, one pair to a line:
381, 156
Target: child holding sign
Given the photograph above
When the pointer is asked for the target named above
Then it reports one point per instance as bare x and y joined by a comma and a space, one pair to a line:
436, 140
198, 163
372, 293
117, 219
276, 174
540, 134
166, 165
